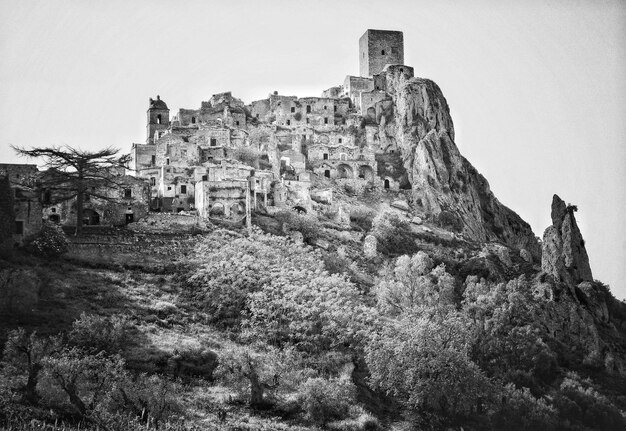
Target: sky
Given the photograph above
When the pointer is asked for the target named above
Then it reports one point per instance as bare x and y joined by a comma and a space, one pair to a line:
536, 89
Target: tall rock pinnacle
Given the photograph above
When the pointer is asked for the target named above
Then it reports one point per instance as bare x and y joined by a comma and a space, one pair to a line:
564, 254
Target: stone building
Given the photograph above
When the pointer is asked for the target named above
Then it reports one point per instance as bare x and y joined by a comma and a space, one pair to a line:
26, 200
378, 48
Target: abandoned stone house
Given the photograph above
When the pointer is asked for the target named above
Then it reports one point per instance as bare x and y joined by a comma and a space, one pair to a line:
27, 205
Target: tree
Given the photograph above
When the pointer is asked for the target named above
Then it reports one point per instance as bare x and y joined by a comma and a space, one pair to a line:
74, 173
7, 210
26, 353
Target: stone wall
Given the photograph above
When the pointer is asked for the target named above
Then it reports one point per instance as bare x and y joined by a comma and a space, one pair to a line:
378, 48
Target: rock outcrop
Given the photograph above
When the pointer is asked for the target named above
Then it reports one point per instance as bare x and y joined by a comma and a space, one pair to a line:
441, 178
564, 255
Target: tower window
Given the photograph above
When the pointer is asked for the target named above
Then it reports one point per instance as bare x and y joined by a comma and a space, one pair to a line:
159, 119
193, 120
382, 52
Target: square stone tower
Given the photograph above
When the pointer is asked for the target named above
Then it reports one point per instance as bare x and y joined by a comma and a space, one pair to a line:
378, 48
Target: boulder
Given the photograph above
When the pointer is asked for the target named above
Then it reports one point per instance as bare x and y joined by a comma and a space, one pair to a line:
416, 220
401, 205
370, 245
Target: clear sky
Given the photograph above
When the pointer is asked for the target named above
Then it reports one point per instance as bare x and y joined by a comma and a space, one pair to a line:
537, 89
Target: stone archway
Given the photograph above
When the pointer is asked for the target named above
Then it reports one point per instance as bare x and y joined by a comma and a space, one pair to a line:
91, 217
217, 210
300, 209
344, 171
237, 210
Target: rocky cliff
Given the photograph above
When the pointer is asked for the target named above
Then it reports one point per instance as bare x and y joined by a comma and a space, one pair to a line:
564, 254
419, 121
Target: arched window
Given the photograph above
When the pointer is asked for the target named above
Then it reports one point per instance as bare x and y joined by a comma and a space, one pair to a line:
159, 119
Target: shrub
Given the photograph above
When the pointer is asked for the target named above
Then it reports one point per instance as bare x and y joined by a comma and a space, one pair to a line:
98, 333
394, 235
51, 241
306, 224
324, 400
363, 218
247, 155
520, 410
450, 221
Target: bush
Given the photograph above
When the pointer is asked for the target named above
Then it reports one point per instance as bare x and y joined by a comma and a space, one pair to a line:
306, 224
98, 333
394, 235
324, 400
50, 241
363, 218
450, 221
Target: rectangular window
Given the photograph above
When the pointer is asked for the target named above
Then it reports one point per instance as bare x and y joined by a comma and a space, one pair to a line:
183, 190
394, 49
167, 161
307, 121
153, 160
325, 120
340, 140
152, 181
205, 177
293, 109
308, 109
169, 187
335, 108
236, 123
19, 227
128, 193
289, 122
325, 156
213, 142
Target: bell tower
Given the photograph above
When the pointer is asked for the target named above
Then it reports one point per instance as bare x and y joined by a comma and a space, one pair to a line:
158, 118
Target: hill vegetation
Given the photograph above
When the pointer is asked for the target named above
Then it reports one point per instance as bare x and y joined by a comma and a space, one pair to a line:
253, 331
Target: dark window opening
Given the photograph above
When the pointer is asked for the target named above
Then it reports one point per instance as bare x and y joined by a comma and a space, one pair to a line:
325, 120
327, 173
401, 70
289, 122
167, 161
325, 107
54, 218
213, 142
340, 140
205, 177
325, 156
19, 227
152, 181
293, 109
236, 123
153, 160
382, 52
257, 115
159, 119
130, 218
169, 187
128, 193
308, 109
307, 121
193, 120
180, 209
183, 190
386, 183
53, 210
335, 108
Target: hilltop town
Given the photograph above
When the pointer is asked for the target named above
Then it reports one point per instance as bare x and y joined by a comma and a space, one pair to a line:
228, 158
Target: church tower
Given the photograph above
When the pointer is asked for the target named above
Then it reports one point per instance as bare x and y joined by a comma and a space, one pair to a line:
158, 118
378, 48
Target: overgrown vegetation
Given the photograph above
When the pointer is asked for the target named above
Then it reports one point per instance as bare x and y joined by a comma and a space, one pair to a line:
253, 332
